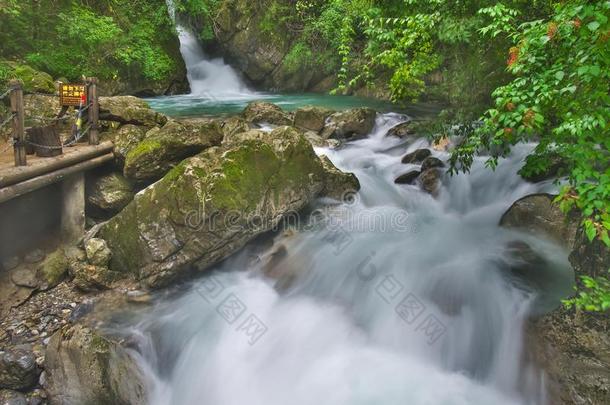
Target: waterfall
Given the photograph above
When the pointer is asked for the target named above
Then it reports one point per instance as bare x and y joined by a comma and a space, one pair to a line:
416, 310
208, 78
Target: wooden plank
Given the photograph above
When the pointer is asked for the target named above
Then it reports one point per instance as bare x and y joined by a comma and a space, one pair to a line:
18, 174
19, 189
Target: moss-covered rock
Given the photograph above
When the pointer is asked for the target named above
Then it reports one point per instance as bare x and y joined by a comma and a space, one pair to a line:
350, 123
106, 194
211, 205
259, 112
234, 125
311, 118
129, 110
18, 369
126, 138
89, 277
163, 148
53, 269
84, 367
33, 80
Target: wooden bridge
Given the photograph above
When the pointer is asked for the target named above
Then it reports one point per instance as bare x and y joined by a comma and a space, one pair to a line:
22, 172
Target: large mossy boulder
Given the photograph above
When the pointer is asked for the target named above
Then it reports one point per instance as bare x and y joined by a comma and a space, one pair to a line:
259, 112
163, 148
311, 118
53, 269
84, 367
126, 138
346, 124
107, 194
538, 215
212, 204
129, 110
34, 81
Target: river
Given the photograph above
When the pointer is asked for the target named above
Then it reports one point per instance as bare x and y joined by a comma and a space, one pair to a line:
394, 297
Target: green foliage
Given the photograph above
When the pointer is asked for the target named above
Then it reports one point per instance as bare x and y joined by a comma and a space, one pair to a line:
108, 39
594, 297
201, 10
559, 97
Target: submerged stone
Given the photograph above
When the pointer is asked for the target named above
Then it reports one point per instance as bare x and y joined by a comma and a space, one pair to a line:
407, 178
417, 156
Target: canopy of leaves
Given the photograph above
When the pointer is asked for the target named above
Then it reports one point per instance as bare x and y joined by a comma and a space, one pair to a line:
108, 38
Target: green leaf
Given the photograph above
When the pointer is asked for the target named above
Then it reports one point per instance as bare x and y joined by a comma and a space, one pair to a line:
593, 26
559, 75
590, 231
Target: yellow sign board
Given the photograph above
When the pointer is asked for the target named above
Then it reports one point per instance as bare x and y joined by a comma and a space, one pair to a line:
72, 95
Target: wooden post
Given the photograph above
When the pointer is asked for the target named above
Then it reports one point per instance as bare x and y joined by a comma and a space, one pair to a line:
18, 122
94, 111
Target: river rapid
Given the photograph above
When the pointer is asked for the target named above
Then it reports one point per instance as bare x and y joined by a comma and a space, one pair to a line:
393, 297
389, 296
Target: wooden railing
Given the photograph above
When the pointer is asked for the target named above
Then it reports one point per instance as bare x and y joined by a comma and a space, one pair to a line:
17, 118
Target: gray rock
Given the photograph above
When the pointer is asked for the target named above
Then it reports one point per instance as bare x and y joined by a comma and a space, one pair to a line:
234, 125
98, 253
85, 367
10, 262
431, 162
18, 369
35, 256
165, 147
107, 194
311, 118
350, 123
538, 215
407, 178
9, 397
24, 277
402, 130
430, 181
318, 142
127, 137
574, 350
259, 112
417, 156
129, 110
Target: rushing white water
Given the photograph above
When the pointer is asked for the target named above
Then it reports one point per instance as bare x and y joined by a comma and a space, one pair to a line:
208, 78
403, 300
